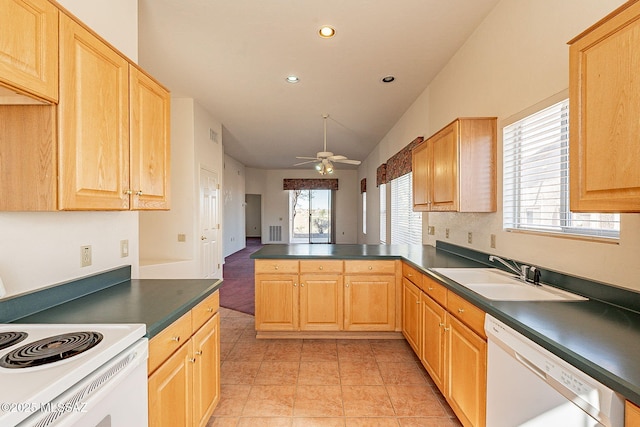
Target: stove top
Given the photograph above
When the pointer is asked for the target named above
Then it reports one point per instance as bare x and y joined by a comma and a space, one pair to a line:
70, 353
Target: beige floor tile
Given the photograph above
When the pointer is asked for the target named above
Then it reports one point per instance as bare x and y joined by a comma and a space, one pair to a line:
269, 401
264, 422
319, 373
248, 352
318, 401
392, 351
366, 401
428, 422
358, 350
223, 422
318, 422
371, 422
319, 351
232, 372
277, 373
359, 373
232, 400
277, 350
406, 373
415, 401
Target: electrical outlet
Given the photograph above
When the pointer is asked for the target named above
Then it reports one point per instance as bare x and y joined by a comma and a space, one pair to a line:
431, 230
493, 241
469, 237
124, 248
182, 237
85, 256
446, 233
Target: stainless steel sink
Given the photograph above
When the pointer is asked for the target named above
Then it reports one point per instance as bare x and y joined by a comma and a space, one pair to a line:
498, 285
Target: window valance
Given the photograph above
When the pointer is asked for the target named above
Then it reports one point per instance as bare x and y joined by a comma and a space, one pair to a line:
309, 184
363, 185
400, 163
381, 174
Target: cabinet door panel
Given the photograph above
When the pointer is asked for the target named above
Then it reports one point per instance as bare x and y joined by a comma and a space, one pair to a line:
433, 340
206, 370
411, 314
421, 167
370, 303
150, 148
277, 302
321, 306
467, 373
94, 122
29, 47
445, 169
170, 392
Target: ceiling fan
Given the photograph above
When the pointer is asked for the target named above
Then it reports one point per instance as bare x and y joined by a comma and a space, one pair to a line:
325, 159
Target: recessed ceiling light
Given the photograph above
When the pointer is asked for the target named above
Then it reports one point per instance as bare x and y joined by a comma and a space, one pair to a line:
292, 79
387, 79
327, 31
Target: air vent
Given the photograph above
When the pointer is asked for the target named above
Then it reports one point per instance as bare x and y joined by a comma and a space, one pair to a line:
213, 135
275, 233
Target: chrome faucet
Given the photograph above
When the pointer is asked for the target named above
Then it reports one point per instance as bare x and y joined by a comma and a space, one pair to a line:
521, 270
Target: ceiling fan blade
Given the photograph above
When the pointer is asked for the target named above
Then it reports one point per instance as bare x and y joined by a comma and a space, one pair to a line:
338, 157
307, 158
304, 163
347, 161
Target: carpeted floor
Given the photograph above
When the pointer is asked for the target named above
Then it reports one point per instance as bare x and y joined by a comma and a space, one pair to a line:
238, 289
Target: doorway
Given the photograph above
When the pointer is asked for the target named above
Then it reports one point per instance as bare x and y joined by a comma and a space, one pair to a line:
209, 224
311, 216
253, 216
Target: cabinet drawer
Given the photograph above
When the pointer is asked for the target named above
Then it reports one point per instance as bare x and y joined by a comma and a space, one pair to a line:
204, 311
321, 266
276, 266
168, 341
412, 274
374, 267
466, 312
435, 290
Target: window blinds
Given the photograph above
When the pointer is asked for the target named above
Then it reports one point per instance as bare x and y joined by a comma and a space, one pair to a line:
536, 178
406, 225
383, 213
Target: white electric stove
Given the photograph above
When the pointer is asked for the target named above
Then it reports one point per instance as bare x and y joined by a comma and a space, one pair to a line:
73, 375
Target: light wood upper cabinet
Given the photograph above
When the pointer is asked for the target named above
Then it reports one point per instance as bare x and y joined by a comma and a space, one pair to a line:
604, 109
455, 169
94, 122
150, 150
29, 47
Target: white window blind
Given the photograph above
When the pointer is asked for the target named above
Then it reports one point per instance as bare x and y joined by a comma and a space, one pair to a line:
406, 225
383, 213
536, 178
364, 212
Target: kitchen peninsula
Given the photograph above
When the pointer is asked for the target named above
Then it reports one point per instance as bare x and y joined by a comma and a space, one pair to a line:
600, 336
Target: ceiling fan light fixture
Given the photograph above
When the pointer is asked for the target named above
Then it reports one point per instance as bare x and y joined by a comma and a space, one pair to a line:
327, 31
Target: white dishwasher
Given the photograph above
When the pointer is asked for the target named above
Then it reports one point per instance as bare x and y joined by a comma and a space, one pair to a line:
529, 386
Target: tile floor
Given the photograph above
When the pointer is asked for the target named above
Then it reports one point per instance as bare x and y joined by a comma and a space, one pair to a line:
322, 382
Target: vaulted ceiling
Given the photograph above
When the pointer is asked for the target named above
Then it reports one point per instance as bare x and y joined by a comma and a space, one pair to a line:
233, 57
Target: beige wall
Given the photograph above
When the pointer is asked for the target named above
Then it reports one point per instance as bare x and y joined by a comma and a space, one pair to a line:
232, 200
275, 200
516, 58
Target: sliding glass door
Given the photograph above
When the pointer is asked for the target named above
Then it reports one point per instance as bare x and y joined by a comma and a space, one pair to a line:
311, 214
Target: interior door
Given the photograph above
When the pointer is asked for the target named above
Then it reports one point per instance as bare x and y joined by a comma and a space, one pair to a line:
209, 224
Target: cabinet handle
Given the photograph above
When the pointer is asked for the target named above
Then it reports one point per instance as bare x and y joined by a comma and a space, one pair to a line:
139, 193
192, 360
430, 288
176, 339
199, 353
302, 285
203, 237
209, 309
441, 324
320, 267
447, 329
370, 268
461, 310
276, 267
346, 284
418, 302
128, 192
410, 275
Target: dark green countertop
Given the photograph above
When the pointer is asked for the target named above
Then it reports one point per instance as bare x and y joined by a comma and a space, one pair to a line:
599, 338
156, 303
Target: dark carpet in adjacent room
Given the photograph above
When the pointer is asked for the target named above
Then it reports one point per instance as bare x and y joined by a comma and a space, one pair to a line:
238, 290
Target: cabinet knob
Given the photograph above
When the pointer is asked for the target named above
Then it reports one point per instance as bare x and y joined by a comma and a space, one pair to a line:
192, 360
209, 309
176, 339
128, 192
295, 284
347, 285
199, 353
302, 285
370, 268
276, 267
320, 267
430, 288
447, 329
441, 324
139, 193
418, 302
461, 310
203, 238
410, 275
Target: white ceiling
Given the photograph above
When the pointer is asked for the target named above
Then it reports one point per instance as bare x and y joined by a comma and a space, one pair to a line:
232, 57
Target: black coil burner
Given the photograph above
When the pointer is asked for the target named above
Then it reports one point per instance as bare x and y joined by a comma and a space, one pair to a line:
7, 339
50, 349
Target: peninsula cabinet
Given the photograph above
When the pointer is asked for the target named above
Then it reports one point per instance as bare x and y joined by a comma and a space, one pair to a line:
455, 169
184, 367
28, 49
631, 415
325, 295
604, 108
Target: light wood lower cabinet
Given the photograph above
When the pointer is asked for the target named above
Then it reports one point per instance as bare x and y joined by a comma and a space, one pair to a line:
326, 295
631, 415
452, 346
184, 367
411, 314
